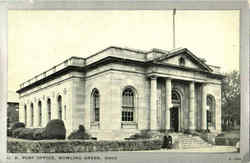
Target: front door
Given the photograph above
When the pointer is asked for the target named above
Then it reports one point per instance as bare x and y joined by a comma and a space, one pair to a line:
174, 118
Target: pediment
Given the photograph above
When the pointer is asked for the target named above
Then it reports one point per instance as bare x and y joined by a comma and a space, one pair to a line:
181, 60
184, 58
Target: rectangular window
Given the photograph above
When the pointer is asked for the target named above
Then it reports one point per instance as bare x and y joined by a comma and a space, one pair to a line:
97, 114
127, 115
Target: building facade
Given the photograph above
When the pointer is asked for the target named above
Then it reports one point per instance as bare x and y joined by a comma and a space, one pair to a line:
119, 91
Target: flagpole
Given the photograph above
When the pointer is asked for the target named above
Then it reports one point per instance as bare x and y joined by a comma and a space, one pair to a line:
174, 12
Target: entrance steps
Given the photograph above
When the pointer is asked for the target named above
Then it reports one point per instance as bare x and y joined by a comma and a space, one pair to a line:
185, 141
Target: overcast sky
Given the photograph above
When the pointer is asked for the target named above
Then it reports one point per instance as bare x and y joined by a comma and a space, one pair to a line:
38, 40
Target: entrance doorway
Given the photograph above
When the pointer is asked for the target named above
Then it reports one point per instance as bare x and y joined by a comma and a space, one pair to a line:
175, 111
174, 119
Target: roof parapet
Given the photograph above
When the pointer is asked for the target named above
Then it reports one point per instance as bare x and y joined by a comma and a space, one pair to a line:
73, 61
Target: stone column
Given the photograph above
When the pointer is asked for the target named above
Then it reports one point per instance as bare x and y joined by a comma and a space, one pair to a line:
191, 106
36, 115
153, 103
44, 113
168, 102
204, 108
28, 115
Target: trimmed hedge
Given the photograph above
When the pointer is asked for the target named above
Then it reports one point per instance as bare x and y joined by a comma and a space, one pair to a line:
15, 126
39, 134
219, 140
55, 129
73, 146
146, 134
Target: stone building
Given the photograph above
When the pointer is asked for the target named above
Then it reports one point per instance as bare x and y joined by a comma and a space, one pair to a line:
119, 91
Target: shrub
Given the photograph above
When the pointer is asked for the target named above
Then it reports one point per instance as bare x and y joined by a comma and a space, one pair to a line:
39, 134
78, 146
16, 132
26, 133
16, 125
79, 134
146, 134
55, 129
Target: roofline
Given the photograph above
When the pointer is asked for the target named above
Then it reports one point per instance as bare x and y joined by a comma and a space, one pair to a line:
101, 51
120, 48
170, 55
104, 61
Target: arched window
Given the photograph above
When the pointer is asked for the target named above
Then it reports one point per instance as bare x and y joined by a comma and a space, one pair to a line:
25, 114
49, 109
176, 97
96, 105
32, 114
128, 105
40, 113
59, 101
210, 111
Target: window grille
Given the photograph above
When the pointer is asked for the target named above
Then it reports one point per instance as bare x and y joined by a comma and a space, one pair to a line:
128, 105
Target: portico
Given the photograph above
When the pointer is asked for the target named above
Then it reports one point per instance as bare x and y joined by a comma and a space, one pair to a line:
173, 105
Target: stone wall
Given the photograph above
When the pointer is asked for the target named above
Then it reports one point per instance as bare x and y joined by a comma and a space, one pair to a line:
50, 90
111, 80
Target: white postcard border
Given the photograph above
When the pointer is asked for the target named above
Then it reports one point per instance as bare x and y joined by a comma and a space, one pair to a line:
135, 5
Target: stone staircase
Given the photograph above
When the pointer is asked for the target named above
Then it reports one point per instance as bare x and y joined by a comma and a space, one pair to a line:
184, 141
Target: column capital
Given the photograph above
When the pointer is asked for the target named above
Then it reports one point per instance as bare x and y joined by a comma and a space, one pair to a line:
154, 77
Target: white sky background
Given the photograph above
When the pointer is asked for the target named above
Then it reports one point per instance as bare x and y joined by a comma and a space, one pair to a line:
38, 40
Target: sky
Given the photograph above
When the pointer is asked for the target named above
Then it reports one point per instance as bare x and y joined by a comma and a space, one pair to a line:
38, 40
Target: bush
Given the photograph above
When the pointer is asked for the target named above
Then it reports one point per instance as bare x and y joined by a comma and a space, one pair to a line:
222, 140
16, 125
55, 129
29, 133
26, 133
16, 132
79, 134
146, 134
79, 146
39, 134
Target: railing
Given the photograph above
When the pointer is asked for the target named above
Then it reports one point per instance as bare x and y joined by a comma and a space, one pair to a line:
73, 61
